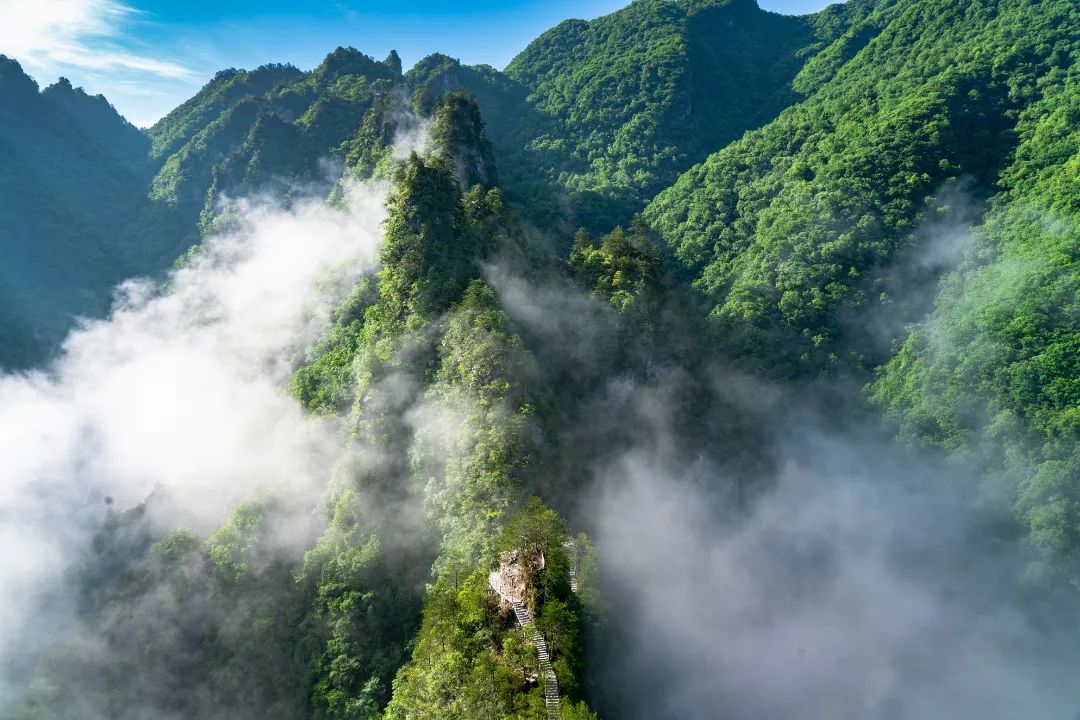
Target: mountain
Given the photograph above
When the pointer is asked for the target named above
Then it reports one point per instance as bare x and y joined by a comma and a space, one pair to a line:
681, 80
92, 200
794, 228
637, 96
817, 239
345, 635
713, 362
992, 372
587, 123
71, 172
610, 111
248, 130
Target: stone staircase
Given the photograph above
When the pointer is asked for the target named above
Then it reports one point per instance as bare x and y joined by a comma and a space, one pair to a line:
547, 673
525, 620
571, 549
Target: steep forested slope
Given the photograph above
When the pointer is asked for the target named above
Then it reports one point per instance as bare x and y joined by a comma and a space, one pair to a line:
71, 171
816, 238
993, 373
496, 360
460, 409
322, 631
89, 200
790, 230
607, 112
272, 129
639, 95
588, 122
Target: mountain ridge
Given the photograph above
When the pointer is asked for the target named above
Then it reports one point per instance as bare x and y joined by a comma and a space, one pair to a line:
781, 313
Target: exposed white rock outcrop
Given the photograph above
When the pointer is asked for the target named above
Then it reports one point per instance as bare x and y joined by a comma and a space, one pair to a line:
509, 583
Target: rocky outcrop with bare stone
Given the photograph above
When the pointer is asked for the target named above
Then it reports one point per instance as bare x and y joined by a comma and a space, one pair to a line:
509, 583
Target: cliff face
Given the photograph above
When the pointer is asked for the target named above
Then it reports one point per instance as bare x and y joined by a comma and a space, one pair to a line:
511, 579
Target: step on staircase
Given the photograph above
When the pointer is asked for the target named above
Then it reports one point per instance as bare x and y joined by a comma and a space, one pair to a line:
525, 620
571, 550
547, 673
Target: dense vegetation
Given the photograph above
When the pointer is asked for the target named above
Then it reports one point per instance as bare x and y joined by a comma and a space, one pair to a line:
641, 94
71, 170
587, 124
606, 113
992, 374
817, 238
331, 623
792, 229
884, 204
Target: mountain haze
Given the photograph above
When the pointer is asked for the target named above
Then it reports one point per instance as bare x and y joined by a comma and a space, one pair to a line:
588, 123
703, 362
72, 170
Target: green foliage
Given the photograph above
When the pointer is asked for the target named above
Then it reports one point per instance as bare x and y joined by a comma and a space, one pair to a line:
360, 616
535, 527
468, 451
370, 152
429, 253
71, 171
326, 383
273, 617
471, 660
841, 138
469, 446
465, 664
791, 230
588, 575
478, 392
640, 95
457, 133
623, 269
87, 200
219, 615
993, 374
558, 612
610, 111
509, 121
269, 129
227, 88
607, 111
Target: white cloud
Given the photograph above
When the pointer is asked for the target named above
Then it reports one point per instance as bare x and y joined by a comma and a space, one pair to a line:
180, 391
51, 36
853, 581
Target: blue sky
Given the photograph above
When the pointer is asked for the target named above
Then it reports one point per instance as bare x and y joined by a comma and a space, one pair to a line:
147, 56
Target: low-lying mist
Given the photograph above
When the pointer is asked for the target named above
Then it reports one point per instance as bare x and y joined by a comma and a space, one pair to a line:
864, 581
760, 558
179, 395
773, 552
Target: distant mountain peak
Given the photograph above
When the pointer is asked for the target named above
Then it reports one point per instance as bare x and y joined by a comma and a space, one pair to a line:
14, 81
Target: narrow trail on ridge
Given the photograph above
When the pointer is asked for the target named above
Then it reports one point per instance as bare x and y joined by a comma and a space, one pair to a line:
552, 699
